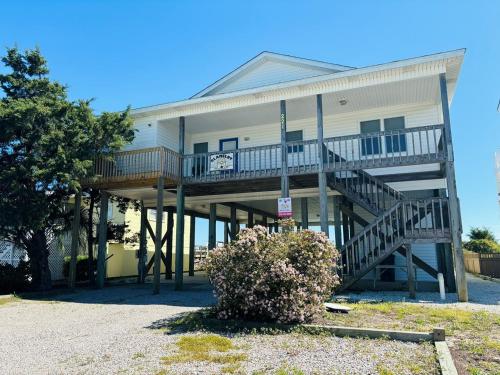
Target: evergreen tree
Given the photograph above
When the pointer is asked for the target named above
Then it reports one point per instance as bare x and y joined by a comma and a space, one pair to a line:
47, 145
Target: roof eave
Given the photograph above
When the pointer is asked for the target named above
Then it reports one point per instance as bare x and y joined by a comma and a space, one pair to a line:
347, 73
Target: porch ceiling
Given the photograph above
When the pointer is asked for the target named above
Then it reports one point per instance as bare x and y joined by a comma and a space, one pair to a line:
424, 90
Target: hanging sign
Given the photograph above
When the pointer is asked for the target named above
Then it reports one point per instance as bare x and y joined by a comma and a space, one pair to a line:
222, 162
284, 207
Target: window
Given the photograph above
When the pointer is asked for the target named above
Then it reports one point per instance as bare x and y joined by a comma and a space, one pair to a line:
296, 135
395, 142
370, 145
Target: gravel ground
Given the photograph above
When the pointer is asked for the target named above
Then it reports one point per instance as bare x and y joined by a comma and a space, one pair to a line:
110, 331
483, 295
321, 355
91, 332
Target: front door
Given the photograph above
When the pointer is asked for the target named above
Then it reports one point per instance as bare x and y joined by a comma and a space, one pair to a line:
200, 165
230, 144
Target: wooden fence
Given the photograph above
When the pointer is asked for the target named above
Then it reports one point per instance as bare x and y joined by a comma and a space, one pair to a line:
484, 264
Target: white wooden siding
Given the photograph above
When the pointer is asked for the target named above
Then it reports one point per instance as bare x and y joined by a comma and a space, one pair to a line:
426, 252
269, 72
145, 136
345, 124
168, 136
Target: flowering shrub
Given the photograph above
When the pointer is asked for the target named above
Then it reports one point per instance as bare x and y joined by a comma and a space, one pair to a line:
283, 277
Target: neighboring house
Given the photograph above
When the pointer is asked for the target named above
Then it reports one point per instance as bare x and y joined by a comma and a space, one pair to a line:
123, 256
366, 150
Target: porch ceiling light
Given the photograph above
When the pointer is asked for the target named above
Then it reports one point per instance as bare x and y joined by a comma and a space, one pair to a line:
343, 101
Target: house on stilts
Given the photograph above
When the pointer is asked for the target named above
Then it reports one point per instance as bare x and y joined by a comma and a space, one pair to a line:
365, 154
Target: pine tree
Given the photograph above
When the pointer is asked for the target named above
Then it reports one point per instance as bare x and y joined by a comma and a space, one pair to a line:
47, 145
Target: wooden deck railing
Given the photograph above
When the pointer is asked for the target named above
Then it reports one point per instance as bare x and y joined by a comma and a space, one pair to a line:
137, 164
383, 149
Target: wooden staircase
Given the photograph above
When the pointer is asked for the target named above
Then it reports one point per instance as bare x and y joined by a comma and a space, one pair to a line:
397, 222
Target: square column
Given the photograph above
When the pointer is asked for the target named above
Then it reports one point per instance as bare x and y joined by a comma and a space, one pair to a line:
454, 206
103, 240
336, 221
192, 231
304, 211
141, 262
170, 235
212, 226
323, 198
158, 235
179, 233
284, 152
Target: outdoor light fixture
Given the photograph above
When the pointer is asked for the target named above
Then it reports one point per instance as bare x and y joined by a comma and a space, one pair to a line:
343, 101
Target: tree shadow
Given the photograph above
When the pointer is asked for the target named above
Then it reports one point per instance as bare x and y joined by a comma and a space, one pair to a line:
192, 295
205, 320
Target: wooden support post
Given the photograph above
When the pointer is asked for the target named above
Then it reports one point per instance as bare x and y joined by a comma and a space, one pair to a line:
284, 152
226, 233
169, 240
304, 211
264, 221
179, 240
454, 207
250, 219
192, 228
411, 271
158, 236
212, 226
345, 227
323, 198
103, 240
143, 251
337, 223
449, 275
179, 233
276, 227
75, 239
233, 223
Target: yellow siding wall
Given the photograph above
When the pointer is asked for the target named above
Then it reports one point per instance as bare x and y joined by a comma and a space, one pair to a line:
124, 261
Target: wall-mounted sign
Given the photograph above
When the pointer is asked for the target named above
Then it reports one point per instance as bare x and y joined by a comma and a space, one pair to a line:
284, 207
222, 162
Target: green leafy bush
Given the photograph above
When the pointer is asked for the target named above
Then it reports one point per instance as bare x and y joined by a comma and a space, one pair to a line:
82, 267
284, 277
484, 246
14, 279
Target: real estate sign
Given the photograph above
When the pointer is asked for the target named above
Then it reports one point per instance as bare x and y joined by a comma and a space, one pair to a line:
284, 207
222, 162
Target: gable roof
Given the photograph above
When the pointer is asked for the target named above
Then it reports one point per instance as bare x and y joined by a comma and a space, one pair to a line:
268, 68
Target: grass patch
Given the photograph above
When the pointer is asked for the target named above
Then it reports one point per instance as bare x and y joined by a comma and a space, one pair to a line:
287, 370
474, 335
9, 299
138, 355
206, 348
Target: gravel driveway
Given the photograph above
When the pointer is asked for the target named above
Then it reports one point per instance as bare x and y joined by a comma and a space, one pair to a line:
90, 332
109, 332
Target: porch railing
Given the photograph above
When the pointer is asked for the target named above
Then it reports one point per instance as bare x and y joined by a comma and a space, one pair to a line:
382, 149
138, 164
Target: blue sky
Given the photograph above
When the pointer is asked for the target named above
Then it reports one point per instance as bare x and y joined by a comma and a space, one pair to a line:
140, 53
